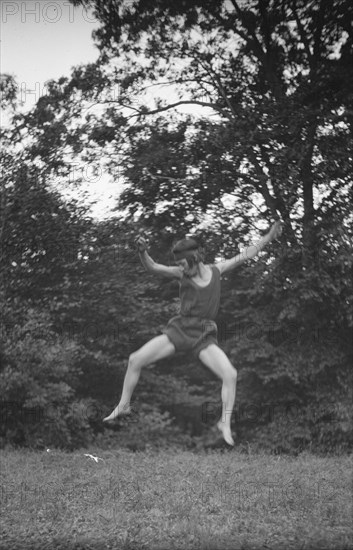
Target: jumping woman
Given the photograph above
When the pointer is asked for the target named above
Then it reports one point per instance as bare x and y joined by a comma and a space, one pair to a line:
194, 329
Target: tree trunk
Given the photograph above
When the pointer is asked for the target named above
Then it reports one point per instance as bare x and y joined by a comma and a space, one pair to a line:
309, 238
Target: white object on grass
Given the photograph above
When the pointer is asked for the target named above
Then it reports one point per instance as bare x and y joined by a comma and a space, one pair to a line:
95, 458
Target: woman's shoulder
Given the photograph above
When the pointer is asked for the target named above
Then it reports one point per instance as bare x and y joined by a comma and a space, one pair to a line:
215, 269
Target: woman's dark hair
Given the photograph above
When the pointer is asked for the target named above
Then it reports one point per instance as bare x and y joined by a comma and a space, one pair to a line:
185, 245
196, 258
188, 249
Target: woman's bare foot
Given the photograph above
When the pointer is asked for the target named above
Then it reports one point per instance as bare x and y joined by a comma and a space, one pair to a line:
120, 410
226, 432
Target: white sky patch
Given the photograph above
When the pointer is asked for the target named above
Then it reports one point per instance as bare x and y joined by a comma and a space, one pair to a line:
42, 41
229, 201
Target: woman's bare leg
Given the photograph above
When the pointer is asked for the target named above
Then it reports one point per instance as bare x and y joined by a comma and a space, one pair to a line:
216, 360
154, 350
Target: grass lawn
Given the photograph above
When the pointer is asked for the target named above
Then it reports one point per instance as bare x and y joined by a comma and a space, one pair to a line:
172, 499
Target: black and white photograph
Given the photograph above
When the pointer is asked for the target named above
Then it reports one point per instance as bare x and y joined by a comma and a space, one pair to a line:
176, 301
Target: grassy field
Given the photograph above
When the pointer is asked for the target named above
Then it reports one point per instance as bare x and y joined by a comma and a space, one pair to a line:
172, 499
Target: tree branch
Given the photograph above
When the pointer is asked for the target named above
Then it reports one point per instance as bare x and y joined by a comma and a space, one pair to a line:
262, 187
171, 82
318, 32
262, 55
122, 105
181, 102
302, 32
140, 112
267, 33
162, 176
218, 85
281, 206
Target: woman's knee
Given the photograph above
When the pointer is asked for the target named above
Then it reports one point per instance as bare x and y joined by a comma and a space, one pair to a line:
232, 373
135, 360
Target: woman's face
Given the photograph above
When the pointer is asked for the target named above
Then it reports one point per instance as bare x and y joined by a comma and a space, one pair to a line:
189, 271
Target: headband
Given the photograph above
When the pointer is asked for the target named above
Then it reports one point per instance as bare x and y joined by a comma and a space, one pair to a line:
185, 249
184, 254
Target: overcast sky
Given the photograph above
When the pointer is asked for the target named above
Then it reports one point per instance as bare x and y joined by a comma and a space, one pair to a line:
42, 40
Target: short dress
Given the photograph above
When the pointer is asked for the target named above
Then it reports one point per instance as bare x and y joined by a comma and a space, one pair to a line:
195, 328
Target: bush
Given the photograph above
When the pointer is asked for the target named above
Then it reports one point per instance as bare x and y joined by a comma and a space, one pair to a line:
37, 383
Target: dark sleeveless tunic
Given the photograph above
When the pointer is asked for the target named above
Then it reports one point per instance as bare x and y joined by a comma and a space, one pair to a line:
195, 328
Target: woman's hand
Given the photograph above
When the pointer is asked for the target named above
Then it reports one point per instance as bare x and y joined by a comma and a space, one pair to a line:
141, 244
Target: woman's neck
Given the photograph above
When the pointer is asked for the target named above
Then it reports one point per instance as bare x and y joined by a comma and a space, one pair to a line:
202, 271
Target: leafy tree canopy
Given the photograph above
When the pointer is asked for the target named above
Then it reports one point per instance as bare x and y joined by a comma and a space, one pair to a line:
275, 81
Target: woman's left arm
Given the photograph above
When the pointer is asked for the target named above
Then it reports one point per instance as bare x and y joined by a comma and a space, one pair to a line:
250, 251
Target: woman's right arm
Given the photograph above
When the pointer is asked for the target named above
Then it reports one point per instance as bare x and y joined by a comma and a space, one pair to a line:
152, 267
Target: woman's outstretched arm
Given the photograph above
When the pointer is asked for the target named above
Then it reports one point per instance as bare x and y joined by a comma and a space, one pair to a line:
250, 251
153, 267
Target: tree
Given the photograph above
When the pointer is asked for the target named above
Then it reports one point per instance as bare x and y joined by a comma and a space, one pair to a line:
274, 79
41, 238
277, 74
